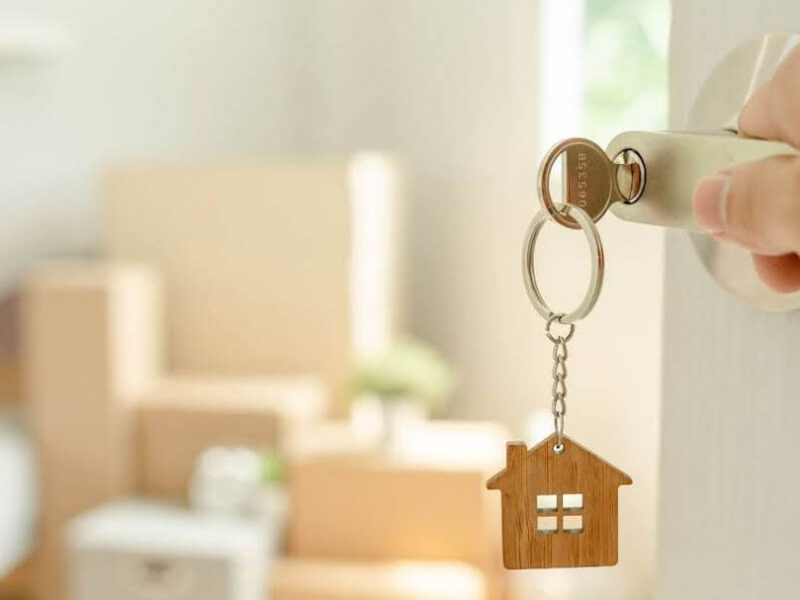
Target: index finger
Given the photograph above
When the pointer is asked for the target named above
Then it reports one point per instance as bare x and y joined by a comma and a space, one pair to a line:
773, 111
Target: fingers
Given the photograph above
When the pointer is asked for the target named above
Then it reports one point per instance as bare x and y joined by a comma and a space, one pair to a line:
755, 204
772, 111
781, 273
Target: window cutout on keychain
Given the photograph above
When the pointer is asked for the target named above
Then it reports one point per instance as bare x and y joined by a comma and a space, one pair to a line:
547, 525
572, 502
546, 502
572, 524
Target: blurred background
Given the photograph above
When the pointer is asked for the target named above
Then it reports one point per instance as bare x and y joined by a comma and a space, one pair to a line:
263, 331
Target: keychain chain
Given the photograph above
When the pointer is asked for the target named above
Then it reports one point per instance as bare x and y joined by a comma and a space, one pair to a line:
559, 405
557, 467
586, 223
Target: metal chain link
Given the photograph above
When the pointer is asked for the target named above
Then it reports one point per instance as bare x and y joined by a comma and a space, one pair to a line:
559, 404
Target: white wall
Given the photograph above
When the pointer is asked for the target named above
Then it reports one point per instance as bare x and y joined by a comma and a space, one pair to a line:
185, 78
729, 518
451, 87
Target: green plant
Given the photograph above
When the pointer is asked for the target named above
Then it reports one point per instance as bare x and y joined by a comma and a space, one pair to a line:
272, 468
411, 369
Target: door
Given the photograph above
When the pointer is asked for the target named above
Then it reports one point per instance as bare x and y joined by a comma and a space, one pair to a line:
729, 509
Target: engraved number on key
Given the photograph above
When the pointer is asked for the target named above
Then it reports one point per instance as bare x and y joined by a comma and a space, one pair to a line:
591, 180
582, 177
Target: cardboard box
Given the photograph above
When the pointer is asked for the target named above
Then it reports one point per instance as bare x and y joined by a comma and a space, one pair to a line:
380, 510
282, 268
422, 498
19, 583
426, 500
181, 416
10, 369
91, 337
319, 579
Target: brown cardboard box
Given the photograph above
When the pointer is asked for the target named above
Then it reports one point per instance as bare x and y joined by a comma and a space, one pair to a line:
424, 501
10, 368
381, 510
421, 499
271, 268
319, 579
182, 416
91, 337
19, 583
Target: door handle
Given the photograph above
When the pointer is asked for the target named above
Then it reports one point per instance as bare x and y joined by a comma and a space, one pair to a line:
655, 173
674, 162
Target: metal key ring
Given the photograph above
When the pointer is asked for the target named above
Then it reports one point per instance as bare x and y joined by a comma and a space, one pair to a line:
601, 178
597, 264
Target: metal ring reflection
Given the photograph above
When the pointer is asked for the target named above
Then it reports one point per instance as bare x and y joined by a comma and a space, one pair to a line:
597, 264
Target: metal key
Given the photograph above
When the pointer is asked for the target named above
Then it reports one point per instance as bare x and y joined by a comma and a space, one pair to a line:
591, 180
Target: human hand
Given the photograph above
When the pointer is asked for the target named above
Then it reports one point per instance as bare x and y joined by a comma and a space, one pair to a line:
757, 204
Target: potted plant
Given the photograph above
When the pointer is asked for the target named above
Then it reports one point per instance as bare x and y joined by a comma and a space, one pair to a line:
409, 381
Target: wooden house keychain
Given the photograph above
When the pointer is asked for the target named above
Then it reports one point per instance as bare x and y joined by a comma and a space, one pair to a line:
559, 500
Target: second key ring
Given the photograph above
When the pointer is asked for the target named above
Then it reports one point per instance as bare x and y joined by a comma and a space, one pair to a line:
597, 263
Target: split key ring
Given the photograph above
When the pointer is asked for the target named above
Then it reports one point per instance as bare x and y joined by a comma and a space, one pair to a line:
597, 263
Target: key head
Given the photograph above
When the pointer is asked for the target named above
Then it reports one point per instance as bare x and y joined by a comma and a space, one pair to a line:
588, 179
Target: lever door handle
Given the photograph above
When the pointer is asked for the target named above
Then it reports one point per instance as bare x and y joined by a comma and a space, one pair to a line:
673, 164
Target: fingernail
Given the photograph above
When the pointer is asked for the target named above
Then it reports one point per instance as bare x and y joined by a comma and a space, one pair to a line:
709, 203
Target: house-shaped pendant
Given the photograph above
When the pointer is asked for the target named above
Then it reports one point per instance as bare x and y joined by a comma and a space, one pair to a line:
559, 509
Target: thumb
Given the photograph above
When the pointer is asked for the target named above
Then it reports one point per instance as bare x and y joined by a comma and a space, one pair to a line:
755, 204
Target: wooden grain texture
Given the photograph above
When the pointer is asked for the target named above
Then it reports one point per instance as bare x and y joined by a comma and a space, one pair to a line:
540, 471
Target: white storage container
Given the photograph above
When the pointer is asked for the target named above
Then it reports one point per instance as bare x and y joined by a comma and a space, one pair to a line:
139, 550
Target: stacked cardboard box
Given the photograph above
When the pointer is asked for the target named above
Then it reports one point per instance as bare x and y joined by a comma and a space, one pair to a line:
181, 416
280, 268
91, 339
108, 422
381, 509
425, 503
